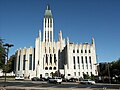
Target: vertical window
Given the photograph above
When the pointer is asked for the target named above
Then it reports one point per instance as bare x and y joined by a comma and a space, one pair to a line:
81, 51
45, 35
86, 59
50, 22
74, 73
38, 62
53, 49
82, 62
86, 62
77, 50
49, 50
89, 51
90, 66
78, 62
90, 59
85, 51
30, 62
55, 58
46, 59
87, 66
82, 59
78, 73
19, 63
73, 51
51, 36
74, 62
24, 57
51, 58
78, 66
45, 49
82, 66
34, 60
48, 36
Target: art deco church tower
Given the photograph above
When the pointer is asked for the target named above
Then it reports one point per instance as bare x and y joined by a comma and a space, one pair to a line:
47, 52
48, 26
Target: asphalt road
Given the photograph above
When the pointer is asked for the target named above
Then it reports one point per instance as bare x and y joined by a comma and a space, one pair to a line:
39, 85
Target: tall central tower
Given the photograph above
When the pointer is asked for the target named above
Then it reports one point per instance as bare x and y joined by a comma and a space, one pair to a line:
48, 26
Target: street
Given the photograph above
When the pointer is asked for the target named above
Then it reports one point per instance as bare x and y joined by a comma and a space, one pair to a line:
33, 85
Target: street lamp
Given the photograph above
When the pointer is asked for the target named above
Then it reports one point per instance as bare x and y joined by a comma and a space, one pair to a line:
7, 51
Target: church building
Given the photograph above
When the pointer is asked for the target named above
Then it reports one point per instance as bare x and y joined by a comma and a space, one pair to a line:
48, 56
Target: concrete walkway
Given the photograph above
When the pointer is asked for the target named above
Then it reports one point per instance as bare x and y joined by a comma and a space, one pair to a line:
34, 88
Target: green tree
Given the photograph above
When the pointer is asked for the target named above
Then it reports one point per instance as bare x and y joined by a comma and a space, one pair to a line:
10, 64
2, 54
86, 76
92, 77
57, 74
115, 68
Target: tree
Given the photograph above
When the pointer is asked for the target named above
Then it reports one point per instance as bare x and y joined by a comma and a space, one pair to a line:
86, 76
2, 54
10, 64
57, 74
110, 71
92, 77
103, 69
115, 68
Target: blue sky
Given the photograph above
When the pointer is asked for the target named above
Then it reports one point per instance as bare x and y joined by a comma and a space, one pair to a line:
80, 20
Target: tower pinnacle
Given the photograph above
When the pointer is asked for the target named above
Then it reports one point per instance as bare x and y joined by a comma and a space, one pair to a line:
48, 7
48, 13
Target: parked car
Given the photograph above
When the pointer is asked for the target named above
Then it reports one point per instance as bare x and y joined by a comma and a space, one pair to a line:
35, 79
55, 80
87, 81
19, 78
72, 80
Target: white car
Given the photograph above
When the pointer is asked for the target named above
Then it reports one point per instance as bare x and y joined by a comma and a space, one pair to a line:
87, 81
19, 78
55, 80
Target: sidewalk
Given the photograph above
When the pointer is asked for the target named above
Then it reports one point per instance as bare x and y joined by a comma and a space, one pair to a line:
34, 88
41, 88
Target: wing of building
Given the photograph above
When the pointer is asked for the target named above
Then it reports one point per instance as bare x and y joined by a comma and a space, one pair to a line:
49, 57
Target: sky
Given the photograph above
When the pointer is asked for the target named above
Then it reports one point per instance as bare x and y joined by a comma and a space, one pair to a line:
80, 20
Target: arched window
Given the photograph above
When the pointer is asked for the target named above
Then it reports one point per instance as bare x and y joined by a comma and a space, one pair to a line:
54, 68
50, 68
46, 68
